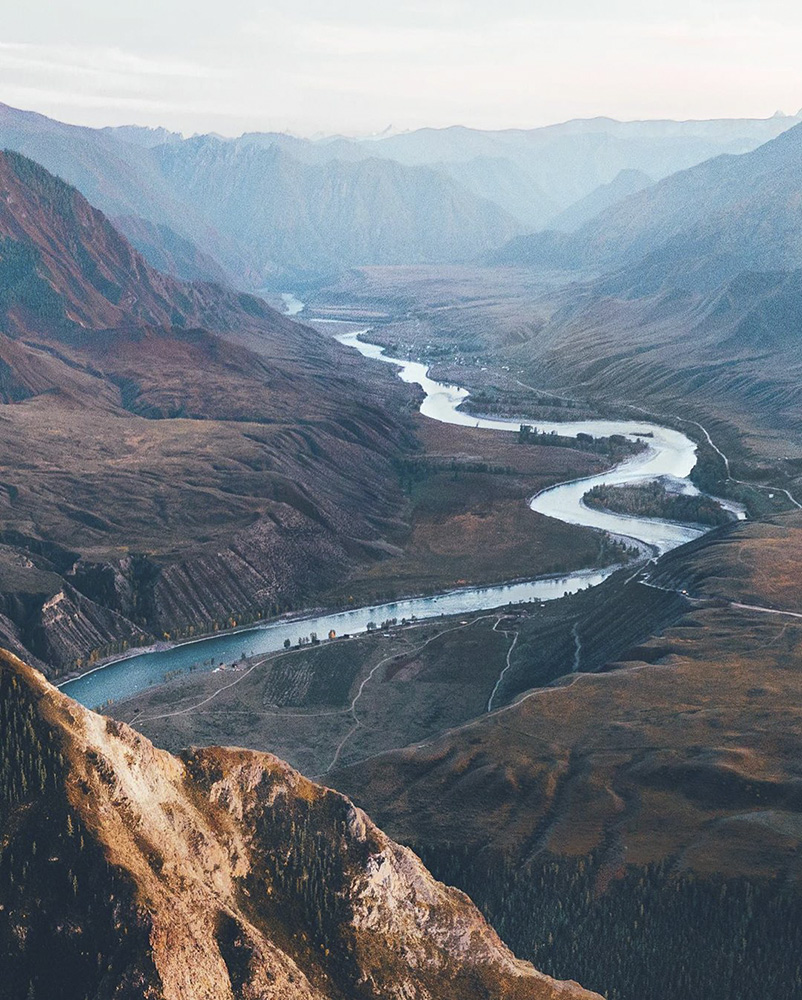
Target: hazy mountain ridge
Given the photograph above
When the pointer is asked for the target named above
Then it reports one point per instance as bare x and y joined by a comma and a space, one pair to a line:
687, 292
504, 182
268, 215
692, 230
535, 174
168, 251
437, 195
320, 216
625, 183
142, 135
569, 160
216, 874
653, 797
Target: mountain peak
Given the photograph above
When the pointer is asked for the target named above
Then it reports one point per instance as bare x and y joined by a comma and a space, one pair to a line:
214, 874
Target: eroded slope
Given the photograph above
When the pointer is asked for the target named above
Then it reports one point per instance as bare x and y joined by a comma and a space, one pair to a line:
217, 874
175, 456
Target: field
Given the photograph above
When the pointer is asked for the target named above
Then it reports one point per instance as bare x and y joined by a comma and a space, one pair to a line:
298, 704
697, 726
467, 520
343, 701
632, 813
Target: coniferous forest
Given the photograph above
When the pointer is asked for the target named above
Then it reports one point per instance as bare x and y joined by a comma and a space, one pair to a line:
637, 933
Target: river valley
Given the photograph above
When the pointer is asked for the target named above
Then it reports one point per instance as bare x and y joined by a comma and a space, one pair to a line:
669, 455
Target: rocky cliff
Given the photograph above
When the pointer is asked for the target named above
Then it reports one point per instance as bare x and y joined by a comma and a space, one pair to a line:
215, 875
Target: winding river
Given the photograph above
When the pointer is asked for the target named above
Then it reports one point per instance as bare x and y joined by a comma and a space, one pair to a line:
669, 454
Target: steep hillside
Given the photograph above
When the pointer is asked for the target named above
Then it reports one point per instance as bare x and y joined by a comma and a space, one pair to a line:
117, 176
694, 229
730, 353
168, 251
318, 216
624, 184
217, 874
739, 212
64, 265
256, 210
296, 209
175, 456
654, 805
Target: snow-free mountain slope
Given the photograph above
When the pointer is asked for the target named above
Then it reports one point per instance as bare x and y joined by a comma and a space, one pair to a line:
220, 873
159, 448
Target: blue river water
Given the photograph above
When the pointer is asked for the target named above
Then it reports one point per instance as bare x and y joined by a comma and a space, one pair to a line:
124, 678
670, 454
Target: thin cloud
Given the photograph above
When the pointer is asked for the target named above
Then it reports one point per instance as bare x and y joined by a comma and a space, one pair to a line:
356, 65
107, 60
42, 97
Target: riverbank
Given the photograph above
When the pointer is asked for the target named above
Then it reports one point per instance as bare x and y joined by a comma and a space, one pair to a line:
467, 526
339, 702
467, 520
668, 453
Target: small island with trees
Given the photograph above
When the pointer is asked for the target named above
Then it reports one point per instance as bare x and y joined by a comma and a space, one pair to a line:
616, 447
654, 500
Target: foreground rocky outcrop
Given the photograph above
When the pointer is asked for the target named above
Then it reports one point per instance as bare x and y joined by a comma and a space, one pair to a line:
222, 873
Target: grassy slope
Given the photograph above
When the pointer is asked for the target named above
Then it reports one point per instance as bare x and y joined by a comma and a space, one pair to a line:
466, 518
340, 702
688, 750
654, 810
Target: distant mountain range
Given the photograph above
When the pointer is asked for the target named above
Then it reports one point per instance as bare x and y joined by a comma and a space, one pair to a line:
625, 183
692, 230
272, 209
257, 214
688, 291
306, 217
565, 162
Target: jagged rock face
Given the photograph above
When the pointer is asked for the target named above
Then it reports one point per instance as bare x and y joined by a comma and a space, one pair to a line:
219, 874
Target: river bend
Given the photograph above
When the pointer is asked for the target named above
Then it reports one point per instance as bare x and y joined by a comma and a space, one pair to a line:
669, 454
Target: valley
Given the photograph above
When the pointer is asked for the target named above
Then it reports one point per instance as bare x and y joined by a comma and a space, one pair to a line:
458, 470
540, 340
190, 409
650, 451
673, 768
658, 768
194, 414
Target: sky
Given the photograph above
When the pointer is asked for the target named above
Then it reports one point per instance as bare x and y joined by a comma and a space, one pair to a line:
360, 66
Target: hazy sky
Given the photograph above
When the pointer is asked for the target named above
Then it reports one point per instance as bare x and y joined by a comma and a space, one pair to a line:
361, 65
